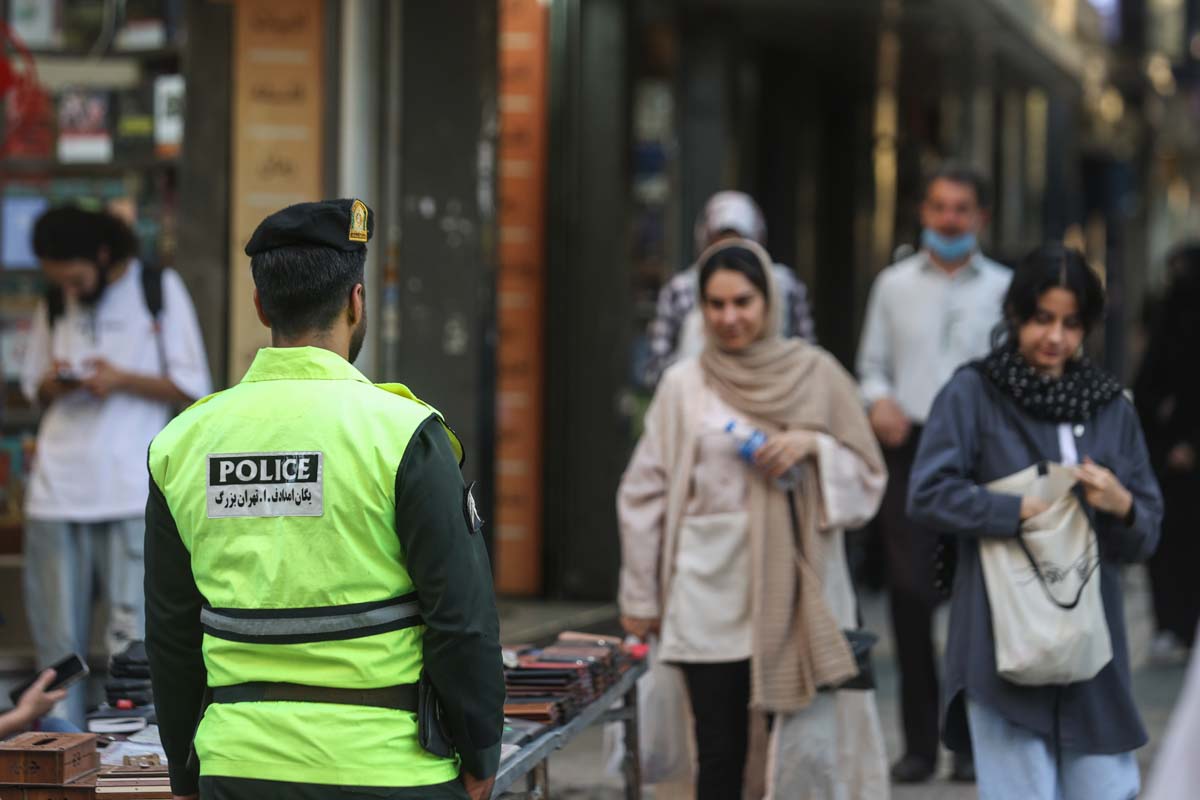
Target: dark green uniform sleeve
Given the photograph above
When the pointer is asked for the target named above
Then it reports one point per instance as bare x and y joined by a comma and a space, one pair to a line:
173, 640
449, 566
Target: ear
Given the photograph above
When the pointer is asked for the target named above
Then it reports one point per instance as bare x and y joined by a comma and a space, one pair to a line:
262, 316
103, 256
358, 303
985, 218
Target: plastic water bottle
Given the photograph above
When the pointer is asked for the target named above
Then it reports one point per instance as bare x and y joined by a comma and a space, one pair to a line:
749, 441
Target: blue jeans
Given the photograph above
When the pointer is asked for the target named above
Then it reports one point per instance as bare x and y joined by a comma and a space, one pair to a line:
56, 725
1014, 763
62, 562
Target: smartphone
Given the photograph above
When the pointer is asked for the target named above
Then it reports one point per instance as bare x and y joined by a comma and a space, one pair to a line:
68, 672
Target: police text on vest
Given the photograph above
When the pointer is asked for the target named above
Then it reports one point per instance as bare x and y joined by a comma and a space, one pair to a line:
266, 485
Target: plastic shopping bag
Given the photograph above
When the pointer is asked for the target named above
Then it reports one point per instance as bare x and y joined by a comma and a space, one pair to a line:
664, 726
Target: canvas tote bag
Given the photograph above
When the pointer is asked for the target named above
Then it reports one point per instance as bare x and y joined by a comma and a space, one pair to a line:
1043, 586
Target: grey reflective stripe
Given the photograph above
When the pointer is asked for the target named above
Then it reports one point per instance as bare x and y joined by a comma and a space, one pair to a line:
318, 626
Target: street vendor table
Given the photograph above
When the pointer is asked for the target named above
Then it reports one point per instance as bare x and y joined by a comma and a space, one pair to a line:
530, 762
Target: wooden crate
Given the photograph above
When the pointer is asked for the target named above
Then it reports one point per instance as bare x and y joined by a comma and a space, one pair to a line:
82, 789
142, 782
49, 759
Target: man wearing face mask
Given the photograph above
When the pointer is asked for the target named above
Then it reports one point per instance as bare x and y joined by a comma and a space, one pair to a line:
927, 314
314, 560
114, 346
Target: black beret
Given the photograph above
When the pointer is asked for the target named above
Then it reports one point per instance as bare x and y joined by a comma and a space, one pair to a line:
344, 225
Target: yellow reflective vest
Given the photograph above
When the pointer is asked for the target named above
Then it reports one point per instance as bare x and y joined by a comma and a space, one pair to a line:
287, 510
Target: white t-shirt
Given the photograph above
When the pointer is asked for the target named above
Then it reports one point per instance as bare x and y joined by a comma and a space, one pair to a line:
90, 464
1069, 454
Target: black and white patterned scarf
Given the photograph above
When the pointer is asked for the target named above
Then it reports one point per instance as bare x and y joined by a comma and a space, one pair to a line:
1082, 390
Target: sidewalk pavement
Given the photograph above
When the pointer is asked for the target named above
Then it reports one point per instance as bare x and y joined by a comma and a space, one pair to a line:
577, 772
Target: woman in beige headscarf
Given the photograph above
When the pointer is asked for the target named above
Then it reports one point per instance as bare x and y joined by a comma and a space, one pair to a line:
750, 608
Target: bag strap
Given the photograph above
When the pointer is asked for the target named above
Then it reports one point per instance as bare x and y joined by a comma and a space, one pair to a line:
791, 497
798, 539
152, 293
1032, 446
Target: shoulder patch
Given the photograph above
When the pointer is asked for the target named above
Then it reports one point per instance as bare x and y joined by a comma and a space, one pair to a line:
471, 510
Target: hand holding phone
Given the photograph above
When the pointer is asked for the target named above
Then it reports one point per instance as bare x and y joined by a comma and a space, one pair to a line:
62, 675
36, 701
59, 380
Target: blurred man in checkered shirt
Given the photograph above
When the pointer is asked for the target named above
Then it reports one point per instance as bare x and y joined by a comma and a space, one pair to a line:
677, 330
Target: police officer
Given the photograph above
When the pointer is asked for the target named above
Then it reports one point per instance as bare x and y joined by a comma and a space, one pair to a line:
318, 594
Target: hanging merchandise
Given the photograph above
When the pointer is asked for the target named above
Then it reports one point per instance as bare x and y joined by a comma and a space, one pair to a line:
26, 105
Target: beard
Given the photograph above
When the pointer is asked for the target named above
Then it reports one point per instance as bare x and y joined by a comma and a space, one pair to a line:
92, 298
358, 336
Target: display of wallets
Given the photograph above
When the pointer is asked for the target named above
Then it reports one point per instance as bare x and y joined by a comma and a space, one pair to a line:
48, 759
556, 677
573, 652
554, 683
593, 639
541, 711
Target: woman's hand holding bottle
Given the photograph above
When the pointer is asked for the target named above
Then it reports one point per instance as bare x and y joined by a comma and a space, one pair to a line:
784, 451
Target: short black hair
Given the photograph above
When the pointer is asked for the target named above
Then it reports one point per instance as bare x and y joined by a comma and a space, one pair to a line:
1052, 266
964, 175
303, 288
68, 232
735, 259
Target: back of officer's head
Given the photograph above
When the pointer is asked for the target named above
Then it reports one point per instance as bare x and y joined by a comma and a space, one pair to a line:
303, 288
306, 260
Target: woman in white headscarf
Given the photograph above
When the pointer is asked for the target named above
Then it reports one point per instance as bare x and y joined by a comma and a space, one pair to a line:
749, 599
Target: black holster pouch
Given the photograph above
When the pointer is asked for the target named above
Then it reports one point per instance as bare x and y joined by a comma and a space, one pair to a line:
431, 729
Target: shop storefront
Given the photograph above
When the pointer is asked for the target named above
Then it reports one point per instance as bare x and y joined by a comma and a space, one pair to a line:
94, 114
286, 101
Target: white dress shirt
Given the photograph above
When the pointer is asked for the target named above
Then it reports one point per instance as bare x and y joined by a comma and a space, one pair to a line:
922, 324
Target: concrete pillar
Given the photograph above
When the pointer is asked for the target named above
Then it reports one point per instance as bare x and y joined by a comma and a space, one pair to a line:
359, 157
202, 256
445, 217
588, 311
